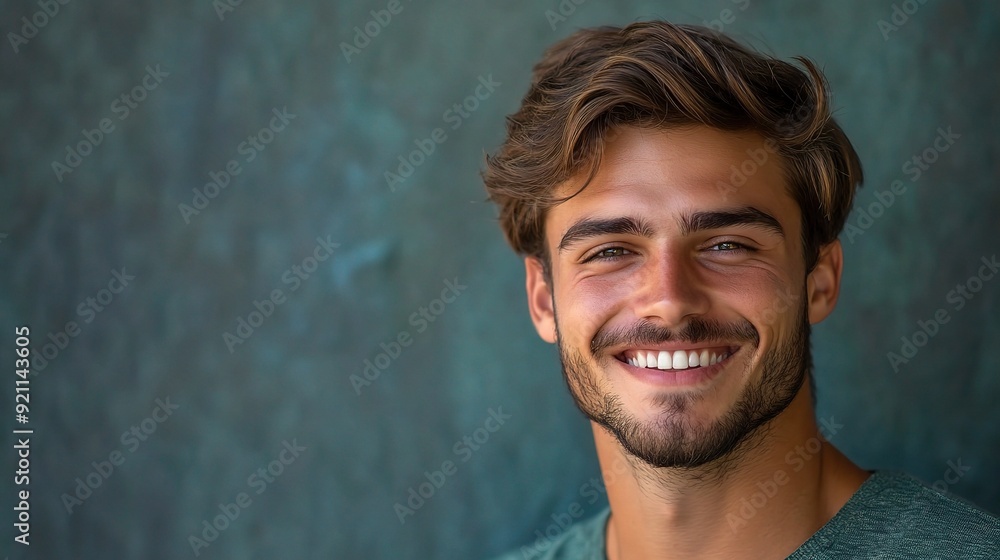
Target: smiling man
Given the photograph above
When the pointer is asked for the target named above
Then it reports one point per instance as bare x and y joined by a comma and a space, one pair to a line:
677, 199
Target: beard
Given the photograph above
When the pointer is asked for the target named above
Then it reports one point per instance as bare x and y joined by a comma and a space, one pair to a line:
671, 438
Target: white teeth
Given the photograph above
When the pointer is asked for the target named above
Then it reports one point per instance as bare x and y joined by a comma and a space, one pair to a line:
692, 359
663, 361
677, 360
680, 359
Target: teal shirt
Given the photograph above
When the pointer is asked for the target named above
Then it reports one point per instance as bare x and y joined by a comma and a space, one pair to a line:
892, 515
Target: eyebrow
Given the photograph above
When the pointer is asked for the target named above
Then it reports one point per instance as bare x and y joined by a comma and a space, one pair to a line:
746, 216
698, 221
593, 227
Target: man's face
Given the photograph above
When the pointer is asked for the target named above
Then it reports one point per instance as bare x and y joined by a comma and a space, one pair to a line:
678, 295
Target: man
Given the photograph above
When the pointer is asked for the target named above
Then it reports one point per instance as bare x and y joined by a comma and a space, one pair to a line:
677, 199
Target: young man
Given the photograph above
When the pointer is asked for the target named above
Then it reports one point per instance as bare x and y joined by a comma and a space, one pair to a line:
677, 199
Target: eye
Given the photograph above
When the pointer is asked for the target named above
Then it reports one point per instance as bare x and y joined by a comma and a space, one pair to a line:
730, 247
608, 254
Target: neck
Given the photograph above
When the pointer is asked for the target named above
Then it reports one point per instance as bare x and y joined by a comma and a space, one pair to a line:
763, 503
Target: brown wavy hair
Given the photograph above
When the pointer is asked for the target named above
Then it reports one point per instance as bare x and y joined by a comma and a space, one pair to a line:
658, 74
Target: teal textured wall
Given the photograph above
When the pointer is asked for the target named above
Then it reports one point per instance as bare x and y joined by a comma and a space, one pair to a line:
296, 133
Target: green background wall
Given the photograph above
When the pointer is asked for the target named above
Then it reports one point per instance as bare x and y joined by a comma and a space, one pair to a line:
322, 176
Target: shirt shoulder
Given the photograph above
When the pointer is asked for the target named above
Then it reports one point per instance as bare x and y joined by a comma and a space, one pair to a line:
581, 541
894, 515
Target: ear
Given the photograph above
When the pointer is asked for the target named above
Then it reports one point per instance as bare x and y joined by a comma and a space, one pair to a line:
540, 299
823, 283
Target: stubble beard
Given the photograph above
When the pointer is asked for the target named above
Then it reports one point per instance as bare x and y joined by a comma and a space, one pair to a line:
671, 439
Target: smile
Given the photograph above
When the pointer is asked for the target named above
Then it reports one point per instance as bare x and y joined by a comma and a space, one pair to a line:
680, 359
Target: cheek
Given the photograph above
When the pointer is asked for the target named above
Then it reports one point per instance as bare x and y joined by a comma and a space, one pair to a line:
760, 297
587, 307
774, 312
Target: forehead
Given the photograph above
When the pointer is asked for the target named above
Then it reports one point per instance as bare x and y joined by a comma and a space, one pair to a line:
667, 173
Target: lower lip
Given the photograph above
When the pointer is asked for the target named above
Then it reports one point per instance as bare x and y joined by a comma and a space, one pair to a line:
677, 378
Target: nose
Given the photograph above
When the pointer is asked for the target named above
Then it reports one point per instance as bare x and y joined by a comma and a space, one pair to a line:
670, 289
